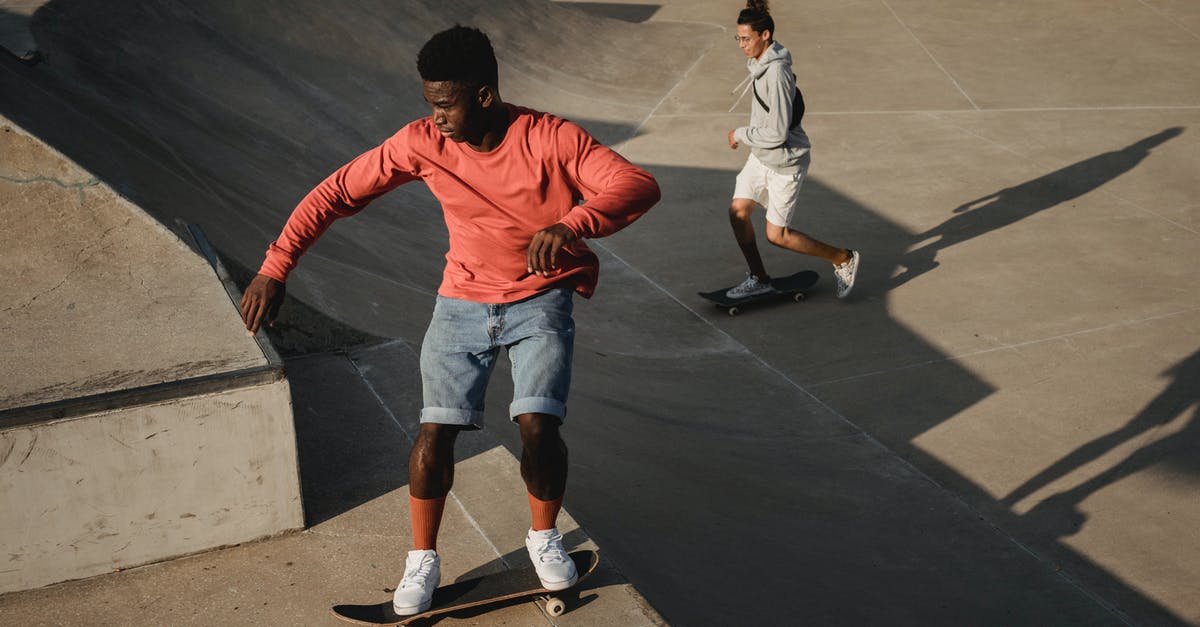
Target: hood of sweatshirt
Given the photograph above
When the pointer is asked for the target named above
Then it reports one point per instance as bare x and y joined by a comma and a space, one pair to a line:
770, 136
774, 53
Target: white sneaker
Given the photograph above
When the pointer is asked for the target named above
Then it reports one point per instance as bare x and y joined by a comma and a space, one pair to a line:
750, 287
422, 574
845, 274
554, 567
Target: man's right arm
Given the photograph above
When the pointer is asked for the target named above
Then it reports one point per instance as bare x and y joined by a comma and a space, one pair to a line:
260, 302
344, 193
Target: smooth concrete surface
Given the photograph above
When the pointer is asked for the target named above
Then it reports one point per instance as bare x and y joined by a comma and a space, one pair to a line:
101, 493
998, 427
355, 419
98, 296
102, 301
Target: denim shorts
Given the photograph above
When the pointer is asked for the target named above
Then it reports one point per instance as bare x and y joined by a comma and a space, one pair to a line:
462, 344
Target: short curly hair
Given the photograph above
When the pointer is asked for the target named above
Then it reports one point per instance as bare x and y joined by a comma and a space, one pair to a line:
461, 54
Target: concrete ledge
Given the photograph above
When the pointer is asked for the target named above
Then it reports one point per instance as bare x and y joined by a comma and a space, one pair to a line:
138, 422
131, 486
355, 415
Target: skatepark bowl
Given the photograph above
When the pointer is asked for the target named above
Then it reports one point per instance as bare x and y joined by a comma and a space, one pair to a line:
997, 428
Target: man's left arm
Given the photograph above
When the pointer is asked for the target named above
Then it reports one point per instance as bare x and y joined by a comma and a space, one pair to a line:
615, 192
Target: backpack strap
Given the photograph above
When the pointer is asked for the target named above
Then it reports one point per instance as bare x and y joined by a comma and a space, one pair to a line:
797, 104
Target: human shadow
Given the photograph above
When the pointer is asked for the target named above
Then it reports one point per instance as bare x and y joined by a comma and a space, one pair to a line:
1012, 204
1060, 511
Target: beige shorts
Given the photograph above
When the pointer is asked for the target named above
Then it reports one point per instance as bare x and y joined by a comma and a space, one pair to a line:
779, 193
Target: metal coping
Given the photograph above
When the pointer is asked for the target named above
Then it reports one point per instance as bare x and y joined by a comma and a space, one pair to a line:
156, 393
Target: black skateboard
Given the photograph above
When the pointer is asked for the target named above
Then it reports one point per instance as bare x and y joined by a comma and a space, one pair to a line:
794, 285
505, 586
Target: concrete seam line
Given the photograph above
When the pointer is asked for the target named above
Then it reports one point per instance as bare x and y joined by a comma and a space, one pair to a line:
1081, 109
931, 57
1165, 16
659, 104
1103, 188
954, 497
985, 351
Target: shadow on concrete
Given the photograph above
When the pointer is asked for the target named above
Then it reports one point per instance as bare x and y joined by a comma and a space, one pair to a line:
1174, 454
616, 10
719, 461
1002, 208
702, 454
225, 116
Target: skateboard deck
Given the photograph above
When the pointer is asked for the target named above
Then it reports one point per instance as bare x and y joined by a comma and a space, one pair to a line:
479, 591
794, 285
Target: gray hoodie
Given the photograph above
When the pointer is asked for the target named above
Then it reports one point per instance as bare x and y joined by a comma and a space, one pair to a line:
776, 146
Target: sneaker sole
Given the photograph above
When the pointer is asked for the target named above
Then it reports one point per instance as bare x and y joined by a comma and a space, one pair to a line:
412, 609
561, 585
850, 288
744, 296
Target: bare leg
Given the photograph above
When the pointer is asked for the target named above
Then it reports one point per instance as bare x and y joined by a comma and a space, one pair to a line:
431, 464
543, 456
796, 241
743, 231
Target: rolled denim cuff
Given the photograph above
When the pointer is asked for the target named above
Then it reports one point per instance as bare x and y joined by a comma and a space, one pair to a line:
537, 405
451, 416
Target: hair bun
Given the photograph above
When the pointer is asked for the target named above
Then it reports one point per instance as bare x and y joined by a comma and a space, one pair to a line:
758, 5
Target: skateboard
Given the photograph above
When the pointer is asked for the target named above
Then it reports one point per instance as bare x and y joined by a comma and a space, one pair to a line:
479, 591
794, 285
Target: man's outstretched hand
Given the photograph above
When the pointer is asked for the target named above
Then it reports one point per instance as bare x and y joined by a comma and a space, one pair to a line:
544, 249
261, 301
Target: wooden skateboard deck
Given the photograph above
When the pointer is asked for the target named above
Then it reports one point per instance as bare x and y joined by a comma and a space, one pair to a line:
504, 586
794, 285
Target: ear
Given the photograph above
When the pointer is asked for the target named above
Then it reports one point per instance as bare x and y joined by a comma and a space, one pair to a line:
767, 35
486, 96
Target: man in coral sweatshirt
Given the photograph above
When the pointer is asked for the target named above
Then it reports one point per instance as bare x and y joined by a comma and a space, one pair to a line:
520, 190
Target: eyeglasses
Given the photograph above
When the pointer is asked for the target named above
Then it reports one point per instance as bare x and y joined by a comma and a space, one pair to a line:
743, 40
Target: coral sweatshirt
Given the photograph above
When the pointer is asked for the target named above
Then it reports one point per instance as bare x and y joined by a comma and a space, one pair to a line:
546, 170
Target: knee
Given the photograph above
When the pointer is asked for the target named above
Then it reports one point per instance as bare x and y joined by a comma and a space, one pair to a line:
539, 430
777, 236
739, 213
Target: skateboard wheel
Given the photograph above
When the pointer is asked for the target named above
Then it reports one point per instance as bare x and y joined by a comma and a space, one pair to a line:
798, 297
555, 606
733, 311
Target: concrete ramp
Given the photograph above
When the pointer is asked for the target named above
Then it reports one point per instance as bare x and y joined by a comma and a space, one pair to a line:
226, 114
136, 422
997, 428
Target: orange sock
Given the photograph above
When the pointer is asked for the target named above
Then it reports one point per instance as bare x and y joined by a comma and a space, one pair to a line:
545, 513
426, 515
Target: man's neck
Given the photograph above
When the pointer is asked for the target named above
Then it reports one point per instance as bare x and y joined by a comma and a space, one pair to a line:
497, 128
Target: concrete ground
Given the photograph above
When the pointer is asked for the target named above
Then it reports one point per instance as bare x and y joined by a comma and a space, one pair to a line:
998, 427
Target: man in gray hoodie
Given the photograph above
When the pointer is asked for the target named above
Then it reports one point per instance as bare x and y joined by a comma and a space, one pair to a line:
778, 161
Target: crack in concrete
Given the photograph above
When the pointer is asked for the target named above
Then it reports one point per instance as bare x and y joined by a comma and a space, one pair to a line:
99, 247
81, 186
